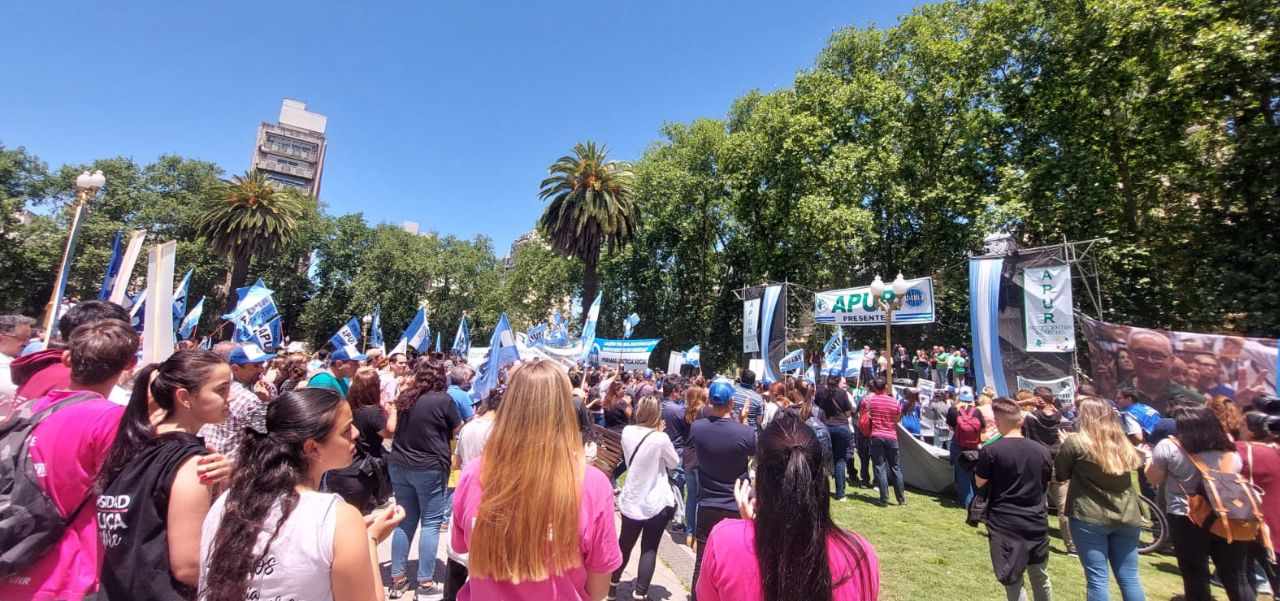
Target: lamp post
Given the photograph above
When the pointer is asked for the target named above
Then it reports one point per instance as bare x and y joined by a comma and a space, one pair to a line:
366, 320
889, 301
87, 186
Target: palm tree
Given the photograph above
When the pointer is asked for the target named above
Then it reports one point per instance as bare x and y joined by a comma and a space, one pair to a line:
592, 207
247, 217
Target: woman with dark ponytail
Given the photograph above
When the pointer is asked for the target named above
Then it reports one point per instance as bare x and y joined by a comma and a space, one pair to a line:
272, 535
790, 518
152, 498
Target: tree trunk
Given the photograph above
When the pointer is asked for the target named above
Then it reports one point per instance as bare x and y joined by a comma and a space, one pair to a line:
590, 284
235, 279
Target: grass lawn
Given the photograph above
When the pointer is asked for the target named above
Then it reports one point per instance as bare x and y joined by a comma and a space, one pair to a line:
928, 553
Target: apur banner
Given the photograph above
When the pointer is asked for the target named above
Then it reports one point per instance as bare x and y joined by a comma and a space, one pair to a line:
856, 306
1047, 309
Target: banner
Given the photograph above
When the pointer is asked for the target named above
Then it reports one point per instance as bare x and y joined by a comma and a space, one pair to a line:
856, 306
984, 311
1162, 364
536, 336
751, 326
157, 333
632, 354
773, 331
1048, 309
1064, 389
793, 361
589, 326
675, 361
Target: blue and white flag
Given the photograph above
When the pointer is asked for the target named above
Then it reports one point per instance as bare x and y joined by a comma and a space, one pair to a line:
462, 340
189, 323
418, 334
833, 345
180, 300
589, 326
375, 328
629, 325
348, 337
559, 334
536, 336
256, 317
793, 361
438, 347
113, 268
137, 312
693, 356
502, 352
267, 336
207, 343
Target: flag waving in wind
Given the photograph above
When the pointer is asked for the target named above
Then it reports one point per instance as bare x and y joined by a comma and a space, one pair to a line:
180, 300
793, 361
502, 351
256, 317
113, 268
693, 356
348, 337
462, 340
375, 328
559, 333
589, 326
437, 348
629, 325
418, 334
189, 323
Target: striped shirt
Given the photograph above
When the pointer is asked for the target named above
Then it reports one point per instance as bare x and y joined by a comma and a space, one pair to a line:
885, 413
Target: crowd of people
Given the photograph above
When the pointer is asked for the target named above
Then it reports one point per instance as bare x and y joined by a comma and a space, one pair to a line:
234, 473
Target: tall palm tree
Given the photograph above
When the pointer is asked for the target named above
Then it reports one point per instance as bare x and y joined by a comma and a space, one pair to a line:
247, 217
592, 207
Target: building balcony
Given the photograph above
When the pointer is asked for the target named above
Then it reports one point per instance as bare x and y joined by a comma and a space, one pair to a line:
273, 165
289, 151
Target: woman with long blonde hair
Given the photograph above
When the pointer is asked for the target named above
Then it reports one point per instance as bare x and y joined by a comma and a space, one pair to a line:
1098, 461
536, 520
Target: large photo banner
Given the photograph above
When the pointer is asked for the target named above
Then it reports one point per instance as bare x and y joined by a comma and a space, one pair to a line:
1047, 307
856, 306
631, 354
1164, 365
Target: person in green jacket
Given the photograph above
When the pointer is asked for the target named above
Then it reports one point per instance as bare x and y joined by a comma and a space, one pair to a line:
1098, 464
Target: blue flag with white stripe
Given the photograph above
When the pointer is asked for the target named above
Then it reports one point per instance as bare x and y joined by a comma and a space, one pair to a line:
502, 352
793, 361
558, 335
113, 269
418, 334
347, 337
629, 325
438, 346
589, 326
462, 340
137, 310
375, 328
180, 300
536, 336
693, 356
189, 323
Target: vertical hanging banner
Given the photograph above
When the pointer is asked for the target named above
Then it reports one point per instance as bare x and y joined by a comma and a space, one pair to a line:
1047, 306
751, 326
984, 310
773, 332
157, 336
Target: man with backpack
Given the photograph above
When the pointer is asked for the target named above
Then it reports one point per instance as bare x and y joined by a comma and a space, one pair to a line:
967, 423
60, 557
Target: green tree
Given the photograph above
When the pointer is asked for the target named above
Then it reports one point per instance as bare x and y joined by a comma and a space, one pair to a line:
592, 208
246, 218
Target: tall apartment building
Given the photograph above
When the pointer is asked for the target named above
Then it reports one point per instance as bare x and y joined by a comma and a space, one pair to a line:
292, 150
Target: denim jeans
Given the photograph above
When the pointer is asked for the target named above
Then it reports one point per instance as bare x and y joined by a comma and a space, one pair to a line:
884, 454
1100, 546
422, 494
691, 490
964, 479
841, 436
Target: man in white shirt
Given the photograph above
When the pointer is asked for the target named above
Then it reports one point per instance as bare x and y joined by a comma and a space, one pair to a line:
15, 331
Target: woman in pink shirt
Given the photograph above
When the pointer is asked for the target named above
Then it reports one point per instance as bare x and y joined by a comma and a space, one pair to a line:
536, 519
789, 517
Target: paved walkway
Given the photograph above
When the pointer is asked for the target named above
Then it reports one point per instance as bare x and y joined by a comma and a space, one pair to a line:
670, 579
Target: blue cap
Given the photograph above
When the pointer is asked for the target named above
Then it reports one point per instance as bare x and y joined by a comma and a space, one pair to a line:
248, 353
966, 394
347, 353
721, 392
648, 373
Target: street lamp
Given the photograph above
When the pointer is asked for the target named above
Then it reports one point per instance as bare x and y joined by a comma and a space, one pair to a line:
889, 301
87, 186
366, 320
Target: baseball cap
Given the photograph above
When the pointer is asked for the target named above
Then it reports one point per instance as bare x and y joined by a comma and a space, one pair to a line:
721, 392
248, 353
648, 373
347, 353
966, 394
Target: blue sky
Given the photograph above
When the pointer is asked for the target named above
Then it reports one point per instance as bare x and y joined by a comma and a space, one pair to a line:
444, 113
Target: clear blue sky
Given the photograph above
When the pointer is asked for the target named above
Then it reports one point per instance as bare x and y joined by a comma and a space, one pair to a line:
444, 113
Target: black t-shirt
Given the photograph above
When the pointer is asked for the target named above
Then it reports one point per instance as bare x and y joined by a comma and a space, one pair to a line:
834, 403
133, 521
722, 447
1018, 471
423, 432
1044, 428
370, 422
615, 417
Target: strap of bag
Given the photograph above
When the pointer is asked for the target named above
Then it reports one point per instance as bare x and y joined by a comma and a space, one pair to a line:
637, 449
64, 403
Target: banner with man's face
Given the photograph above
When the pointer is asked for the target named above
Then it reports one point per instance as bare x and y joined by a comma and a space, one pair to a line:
1164, 365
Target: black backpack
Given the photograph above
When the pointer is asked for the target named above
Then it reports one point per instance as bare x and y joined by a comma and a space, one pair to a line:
30, 523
